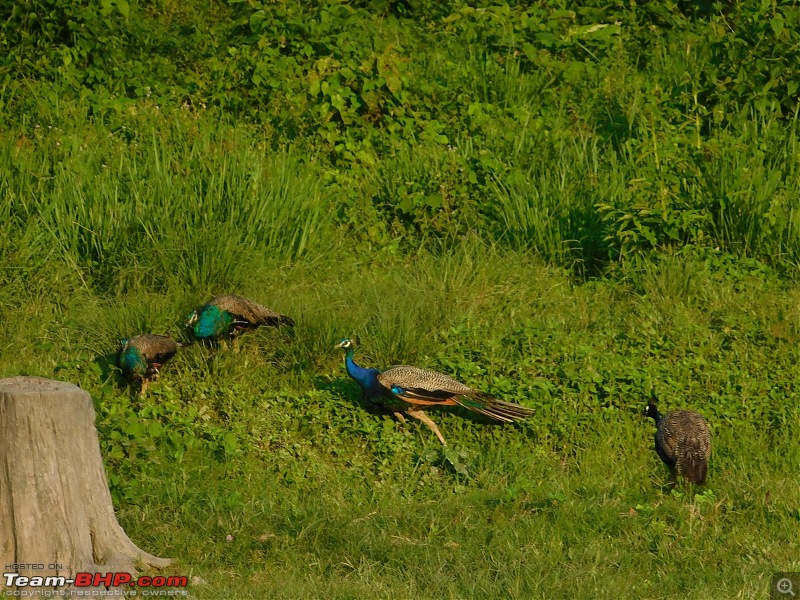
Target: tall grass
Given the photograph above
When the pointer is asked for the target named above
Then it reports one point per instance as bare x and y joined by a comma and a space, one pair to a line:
752, 188
272, 446
168, 207
122, 223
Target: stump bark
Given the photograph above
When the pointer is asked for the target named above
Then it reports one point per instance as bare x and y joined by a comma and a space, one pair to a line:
56, 513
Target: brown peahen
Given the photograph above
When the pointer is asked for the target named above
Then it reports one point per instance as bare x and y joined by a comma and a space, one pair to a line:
140, 357
229, 316
683, 442
408, 390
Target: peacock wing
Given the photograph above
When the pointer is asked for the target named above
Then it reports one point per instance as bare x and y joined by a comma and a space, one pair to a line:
414, 383
156, 348
695, 429
674, 428
247, 310
703, 434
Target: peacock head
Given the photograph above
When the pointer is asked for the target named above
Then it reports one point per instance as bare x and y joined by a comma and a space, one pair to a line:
192, 317
122, 343
345, 344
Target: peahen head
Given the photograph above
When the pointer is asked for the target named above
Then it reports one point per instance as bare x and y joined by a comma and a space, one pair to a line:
651, 410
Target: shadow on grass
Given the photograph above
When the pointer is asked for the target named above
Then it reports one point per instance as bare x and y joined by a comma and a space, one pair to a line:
107, 367
346, 388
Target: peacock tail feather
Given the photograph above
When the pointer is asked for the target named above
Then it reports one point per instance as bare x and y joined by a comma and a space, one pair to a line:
498, 410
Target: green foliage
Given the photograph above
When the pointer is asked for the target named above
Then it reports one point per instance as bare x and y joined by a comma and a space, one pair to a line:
101, 206
272, 446
585, 134
80, 43
431, 177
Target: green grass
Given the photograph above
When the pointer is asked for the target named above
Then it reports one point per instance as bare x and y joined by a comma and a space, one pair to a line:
528, 523
563, 208
273, 447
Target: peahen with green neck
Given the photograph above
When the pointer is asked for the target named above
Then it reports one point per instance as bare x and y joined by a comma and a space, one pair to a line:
229, 316
140, 357
407, 390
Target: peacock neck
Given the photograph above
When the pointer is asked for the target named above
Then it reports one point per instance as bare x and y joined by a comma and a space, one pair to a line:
213, 321
365, 377
132, 359
655, 415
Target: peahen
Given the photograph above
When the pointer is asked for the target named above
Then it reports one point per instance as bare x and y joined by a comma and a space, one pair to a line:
229, 316
683, 442
141, 356
408, 390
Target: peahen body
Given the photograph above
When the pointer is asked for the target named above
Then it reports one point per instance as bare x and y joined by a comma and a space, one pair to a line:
683, 442
408, 390
140, 357
229, 316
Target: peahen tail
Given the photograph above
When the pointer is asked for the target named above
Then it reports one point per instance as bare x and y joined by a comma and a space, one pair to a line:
693, 464
284, 320
494, 408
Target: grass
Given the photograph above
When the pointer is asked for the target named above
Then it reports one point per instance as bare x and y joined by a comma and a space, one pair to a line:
527, 525
273, 447
561, 232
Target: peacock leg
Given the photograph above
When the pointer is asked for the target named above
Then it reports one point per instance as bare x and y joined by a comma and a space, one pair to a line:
235, 345
400, 416
145, 385
418, 414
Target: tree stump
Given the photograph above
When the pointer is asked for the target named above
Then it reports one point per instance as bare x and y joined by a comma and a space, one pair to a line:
56, 515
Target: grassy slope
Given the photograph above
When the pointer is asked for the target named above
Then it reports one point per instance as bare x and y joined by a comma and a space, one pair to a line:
321, 495
123, 225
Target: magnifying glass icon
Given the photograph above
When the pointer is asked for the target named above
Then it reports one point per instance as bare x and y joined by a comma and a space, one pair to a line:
784, 586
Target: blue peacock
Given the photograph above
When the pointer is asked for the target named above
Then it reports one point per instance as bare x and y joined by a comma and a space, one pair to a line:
407, 390
140, 357
228, 316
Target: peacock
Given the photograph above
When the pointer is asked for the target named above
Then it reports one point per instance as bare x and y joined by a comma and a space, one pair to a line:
141, 356
407, 390
683, 442
229, 316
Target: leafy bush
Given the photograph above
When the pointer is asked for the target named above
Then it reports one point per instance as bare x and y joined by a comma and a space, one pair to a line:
583, 134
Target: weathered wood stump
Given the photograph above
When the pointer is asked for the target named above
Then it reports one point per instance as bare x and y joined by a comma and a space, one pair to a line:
56, 513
